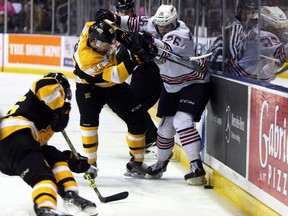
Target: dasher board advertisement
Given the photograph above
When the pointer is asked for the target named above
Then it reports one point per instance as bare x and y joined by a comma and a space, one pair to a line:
268, 152
227, 123
34, 49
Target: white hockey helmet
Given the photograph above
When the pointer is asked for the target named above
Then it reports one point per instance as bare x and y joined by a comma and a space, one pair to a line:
273, 16
165, 15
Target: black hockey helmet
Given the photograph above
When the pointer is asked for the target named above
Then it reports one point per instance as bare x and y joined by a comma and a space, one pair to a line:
124, 4
101, 31
62, 79
247, 5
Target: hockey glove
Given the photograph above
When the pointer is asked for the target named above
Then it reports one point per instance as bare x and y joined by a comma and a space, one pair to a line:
142, 38
145, 37
144, 54
102, 14
125, 38
60, 118
134, 39
77, 165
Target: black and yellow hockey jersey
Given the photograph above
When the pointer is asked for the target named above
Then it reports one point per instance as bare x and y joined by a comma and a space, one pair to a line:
94, 68
34, 110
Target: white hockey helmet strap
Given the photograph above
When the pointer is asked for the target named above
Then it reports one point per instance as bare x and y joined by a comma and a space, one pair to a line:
165, 15
273, 16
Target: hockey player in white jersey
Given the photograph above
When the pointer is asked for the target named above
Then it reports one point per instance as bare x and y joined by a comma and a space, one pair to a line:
186, 91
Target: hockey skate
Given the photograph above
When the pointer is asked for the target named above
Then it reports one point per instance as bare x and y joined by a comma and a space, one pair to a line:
156, 170
135, 169
92, 171
197, 173
48, 212
76, 204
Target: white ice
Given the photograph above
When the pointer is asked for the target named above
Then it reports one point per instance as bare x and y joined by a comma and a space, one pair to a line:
168, 196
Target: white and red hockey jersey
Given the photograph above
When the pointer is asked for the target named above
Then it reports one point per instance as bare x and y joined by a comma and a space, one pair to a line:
179, 41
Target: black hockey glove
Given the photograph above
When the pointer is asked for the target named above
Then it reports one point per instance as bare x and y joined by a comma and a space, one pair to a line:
60, 117
125, 38
102, 14
142, 47
134, 39
145, 37
77, 165
144, 54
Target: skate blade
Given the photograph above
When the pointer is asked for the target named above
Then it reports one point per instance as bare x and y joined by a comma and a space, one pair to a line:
201, 180
76, 210
134, 175
147, 176
90, 210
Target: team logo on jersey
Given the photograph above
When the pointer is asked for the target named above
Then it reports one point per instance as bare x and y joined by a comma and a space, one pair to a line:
187, 102
87, 95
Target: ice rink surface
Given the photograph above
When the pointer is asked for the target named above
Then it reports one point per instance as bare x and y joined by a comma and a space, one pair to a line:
168, 196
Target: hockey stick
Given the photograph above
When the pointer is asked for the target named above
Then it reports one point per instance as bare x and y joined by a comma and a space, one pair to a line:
281, 69
179, 63
125, 32
115, 197
271, 58
187, 58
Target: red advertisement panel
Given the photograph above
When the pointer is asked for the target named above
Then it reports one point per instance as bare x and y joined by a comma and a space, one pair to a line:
34, 49
268, 152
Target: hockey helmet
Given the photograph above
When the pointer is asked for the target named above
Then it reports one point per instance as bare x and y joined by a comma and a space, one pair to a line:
250, 5
124, 4
274, 17
101, 31
62, 79
165, 15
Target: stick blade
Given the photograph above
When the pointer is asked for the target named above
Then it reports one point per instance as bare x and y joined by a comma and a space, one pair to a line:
115, 197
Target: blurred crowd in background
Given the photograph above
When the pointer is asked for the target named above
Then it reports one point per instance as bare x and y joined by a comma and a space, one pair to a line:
67, 17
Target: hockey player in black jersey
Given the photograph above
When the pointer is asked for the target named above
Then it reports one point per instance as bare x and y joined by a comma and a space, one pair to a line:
100, 81
24, 150
145, 81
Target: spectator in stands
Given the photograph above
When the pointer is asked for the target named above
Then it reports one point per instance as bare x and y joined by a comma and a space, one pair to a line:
38, 17
10, 15
18, 18
46, 6
61, 16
